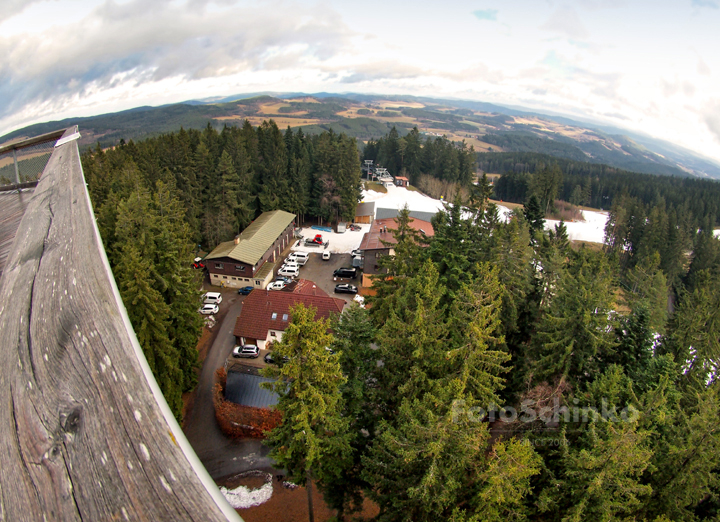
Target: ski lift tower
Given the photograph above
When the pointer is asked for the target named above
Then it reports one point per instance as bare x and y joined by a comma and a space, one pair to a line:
368, 167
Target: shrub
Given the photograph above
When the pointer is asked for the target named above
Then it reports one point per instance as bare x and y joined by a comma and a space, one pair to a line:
236, 420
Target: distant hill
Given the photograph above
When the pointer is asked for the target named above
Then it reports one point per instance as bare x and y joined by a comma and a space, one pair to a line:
488, 127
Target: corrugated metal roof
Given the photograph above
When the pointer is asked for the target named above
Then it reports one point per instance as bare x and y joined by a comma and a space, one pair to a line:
244, 388
256, 239
365, 209
387, 213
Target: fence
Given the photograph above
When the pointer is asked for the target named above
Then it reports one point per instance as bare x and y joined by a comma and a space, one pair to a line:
22, 162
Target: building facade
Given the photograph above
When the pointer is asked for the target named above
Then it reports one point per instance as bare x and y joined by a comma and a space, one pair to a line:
250, 258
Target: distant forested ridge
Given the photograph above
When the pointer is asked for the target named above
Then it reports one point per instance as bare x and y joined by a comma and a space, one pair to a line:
629, 155
599, 186
158, 201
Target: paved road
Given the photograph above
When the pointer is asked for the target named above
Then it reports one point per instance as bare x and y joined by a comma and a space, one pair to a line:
221, 455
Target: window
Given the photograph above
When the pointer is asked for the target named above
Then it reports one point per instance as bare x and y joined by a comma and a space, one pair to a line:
240, 268
285, 317
257, 283
219, 266
272, 334
224, 277
274, 315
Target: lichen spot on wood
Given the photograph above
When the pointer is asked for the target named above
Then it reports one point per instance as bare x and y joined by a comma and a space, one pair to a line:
138, 416
145, 452
165, 484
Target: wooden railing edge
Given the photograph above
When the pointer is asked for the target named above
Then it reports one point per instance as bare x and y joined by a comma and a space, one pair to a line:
177, 431
54, 135
87, 433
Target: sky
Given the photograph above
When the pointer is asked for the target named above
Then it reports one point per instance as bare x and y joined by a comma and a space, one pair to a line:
647, 66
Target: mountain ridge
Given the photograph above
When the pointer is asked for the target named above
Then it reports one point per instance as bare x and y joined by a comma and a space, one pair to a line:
487, 126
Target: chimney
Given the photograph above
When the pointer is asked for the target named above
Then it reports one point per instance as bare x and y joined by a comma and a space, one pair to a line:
237, 240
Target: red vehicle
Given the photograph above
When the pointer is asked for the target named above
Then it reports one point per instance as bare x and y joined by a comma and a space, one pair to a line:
198, 264
318, 239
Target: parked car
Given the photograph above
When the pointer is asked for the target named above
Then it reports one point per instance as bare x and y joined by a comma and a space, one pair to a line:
275, 285
249, 351
299, 258
345, 288
284, 279
270, 358
346, 273
198, 264
326, 255
290, 265
245, 290
289, 272
208, 309
212, 298
356, 253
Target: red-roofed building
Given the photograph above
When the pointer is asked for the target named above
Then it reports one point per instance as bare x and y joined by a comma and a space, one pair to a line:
305, 287
373, 244
266, 314
402, 181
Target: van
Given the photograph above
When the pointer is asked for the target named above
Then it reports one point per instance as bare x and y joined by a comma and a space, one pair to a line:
289, 272
290, 264
212, 298
299, 257
346, 273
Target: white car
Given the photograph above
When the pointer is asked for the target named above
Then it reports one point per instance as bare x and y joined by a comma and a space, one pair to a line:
290, 265
276, 285
289, 272
296, 259
326, 255
208, 309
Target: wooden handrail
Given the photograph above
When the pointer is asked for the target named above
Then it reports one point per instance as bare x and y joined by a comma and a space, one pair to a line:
54, 135
86, 433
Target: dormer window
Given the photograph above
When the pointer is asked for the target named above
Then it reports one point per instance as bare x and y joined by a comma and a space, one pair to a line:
274, 315
285, 317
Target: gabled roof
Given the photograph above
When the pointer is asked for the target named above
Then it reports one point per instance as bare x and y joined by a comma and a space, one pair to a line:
256, 239
256, 317
373, 240
305, 287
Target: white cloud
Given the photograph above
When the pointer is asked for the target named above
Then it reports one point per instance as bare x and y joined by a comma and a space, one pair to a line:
566, 22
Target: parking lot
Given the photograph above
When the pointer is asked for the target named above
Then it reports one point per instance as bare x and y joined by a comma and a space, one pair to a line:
321, 273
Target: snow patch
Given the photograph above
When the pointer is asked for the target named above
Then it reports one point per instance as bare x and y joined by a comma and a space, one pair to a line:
243, 497
591, 230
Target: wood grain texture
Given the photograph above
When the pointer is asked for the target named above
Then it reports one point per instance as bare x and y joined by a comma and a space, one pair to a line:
12, 209
84, 434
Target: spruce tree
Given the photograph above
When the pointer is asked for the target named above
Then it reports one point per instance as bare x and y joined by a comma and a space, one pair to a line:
312, 442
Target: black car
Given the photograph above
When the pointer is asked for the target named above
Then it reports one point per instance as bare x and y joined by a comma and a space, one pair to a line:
245, 290
271, 360
286, 280
346, 273
346, 288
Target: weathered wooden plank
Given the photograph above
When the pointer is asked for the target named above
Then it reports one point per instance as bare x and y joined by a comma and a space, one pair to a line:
12, 208
86, 434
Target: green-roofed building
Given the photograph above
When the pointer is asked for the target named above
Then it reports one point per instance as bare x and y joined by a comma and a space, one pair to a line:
249, 259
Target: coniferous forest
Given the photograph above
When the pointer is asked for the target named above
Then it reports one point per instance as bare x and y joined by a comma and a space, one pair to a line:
498, 373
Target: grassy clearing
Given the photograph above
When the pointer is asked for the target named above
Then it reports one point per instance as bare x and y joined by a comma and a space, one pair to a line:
377, 187
413, 189
507, 204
